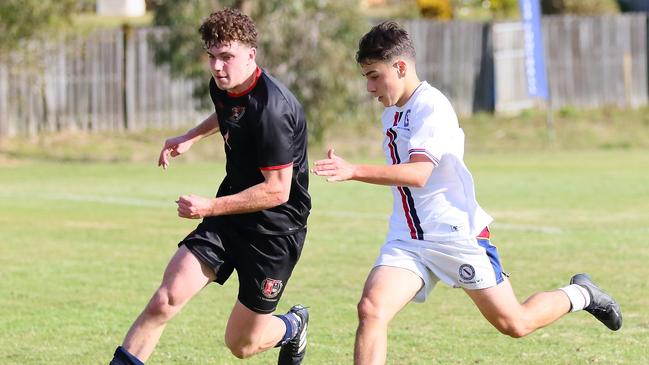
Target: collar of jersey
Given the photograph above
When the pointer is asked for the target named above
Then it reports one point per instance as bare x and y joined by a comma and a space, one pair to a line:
252, 86
412, 97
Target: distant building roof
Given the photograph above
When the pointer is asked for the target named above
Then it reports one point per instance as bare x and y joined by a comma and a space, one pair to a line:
132, 8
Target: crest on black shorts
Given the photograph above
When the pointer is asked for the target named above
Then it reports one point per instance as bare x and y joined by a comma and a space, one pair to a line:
271, 287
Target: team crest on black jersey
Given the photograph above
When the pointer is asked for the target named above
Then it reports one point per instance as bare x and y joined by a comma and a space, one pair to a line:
237, 113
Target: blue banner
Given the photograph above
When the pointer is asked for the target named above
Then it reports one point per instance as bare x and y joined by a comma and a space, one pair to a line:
537, 84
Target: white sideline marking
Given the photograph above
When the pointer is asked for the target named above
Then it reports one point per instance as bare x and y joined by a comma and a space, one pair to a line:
350, 214
115, 200
125, 201
527, 228
496, 225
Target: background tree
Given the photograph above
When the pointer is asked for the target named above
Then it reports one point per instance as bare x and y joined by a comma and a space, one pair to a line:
308, 44
24, 19
180, 46
581, 7
435, 9
503, 8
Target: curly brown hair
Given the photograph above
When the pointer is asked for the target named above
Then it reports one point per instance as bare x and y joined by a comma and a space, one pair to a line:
228, 25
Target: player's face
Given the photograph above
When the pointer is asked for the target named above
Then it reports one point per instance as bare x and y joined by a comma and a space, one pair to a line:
231, 64
384, 82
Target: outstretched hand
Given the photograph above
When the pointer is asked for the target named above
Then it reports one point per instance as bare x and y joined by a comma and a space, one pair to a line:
334, 168
173, 147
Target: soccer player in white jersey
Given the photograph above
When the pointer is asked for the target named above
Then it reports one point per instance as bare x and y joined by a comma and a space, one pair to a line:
437, 229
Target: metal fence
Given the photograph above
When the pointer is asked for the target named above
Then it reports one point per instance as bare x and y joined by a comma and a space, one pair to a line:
109, 81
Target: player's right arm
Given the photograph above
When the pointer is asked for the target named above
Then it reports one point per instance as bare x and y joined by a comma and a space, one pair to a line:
178, 145
414, 173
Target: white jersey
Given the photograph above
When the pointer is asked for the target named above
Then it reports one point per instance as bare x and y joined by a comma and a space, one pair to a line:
445, 209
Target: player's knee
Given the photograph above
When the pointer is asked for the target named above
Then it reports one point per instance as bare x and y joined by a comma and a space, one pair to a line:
162, 305
239, 348
370, 312
241, 352
513, 329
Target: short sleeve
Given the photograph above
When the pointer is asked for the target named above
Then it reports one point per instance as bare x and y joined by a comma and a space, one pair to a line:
274, 137
432, 132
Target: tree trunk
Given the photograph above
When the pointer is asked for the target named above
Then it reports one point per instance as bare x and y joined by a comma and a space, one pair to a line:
244, 5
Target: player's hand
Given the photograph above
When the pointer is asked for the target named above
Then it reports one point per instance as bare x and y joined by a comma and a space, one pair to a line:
334, 168
194, 206
173, 147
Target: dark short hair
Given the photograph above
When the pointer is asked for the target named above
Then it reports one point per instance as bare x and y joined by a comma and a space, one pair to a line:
228, 25
384, 42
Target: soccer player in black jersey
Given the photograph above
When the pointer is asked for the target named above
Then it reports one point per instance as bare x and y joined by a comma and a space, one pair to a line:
256, 224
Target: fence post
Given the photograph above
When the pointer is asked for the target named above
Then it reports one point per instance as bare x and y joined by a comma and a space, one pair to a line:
4, 110
128, 74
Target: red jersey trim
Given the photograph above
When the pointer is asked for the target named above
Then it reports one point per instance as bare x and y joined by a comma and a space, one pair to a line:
406, 210
254, 83
485, 233
279, 167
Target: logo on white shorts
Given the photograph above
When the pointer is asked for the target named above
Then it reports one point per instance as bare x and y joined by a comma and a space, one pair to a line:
467, 272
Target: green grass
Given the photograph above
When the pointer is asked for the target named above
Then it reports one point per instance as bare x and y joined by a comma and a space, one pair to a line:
84, 246
89, 223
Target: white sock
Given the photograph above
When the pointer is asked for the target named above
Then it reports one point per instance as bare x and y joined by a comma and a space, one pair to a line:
578, 296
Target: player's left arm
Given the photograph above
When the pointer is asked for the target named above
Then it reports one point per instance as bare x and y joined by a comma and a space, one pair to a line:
273, 191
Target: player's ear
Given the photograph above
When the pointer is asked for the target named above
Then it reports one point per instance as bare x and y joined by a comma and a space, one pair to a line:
401, 67
252, 54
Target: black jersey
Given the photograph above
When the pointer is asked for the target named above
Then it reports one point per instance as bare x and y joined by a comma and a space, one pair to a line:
264, 128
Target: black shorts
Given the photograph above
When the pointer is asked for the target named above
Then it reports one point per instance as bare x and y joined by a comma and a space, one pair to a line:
264, 263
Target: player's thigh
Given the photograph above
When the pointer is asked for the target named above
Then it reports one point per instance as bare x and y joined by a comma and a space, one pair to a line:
264, 266
185, 275
498, 304
387, 290
244, 322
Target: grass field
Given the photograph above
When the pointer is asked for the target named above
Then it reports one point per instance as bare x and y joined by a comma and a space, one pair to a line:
85, 241
84, 246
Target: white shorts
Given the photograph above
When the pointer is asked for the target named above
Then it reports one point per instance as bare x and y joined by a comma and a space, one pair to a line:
471, 263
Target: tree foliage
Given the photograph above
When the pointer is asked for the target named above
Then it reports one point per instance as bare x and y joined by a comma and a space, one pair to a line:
24, 19
580, 7
308, 44
503, 8
435, 9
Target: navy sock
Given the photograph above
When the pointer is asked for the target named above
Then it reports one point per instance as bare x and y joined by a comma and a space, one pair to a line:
292, 322
123, 357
